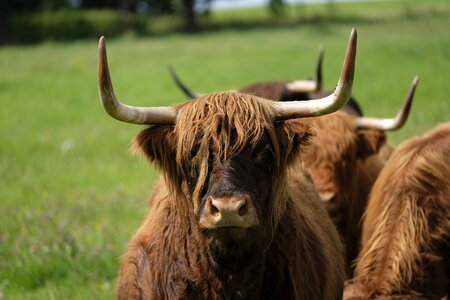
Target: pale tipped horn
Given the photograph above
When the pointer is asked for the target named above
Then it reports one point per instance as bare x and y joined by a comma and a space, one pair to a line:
394, 123
331, 103
309, 86
187, 91
120, 111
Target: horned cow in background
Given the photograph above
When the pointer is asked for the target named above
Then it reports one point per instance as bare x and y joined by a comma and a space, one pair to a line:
229, 219
286, 90
406, 231
345, 157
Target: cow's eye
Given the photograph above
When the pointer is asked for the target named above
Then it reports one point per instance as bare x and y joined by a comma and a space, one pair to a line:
264, 157
194, 150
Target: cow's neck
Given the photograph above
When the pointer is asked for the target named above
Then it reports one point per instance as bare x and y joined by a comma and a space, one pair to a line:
209, 270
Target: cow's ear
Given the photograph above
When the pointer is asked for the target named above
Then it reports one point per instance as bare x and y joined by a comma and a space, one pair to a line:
370, 141
294, 136
157, 144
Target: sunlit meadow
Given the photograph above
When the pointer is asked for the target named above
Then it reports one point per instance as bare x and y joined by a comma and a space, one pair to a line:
71, 194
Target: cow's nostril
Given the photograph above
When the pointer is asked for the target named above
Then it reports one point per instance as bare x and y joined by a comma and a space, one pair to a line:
213, 210
243, 209
333, 200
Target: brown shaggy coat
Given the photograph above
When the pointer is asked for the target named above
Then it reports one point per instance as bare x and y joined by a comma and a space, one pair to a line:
295, 252
406, 232
344, 163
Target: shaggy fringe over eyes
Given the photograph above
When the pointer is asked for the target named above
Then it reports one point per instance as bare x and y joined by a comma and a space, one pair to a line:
221, 123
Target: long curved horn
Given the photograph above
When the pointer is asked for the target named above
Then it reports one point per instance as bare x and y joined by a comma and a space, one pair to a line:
187, 91
309, 86
116, 109
394, 123
331, 103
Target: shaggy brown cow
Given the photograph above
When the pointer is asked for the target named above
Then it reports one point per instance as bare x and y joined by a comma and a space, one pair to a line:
284, 90
406, 232
229, 220
344, 159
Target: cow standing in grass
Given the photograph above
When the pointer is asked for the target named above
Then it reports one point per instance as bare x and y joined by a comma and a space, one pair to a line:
230, 220
406, 231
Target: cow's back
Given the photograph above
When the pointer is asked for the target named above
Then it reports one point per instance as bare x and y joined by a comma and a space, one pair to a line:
406, 232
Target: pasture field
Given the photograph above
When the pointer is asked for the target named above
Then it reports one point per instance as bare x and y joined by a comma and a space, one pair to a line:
71, 194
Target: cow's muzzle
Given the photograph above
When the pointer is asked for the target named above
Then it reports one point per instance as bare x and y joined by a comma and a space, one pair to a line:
228, 212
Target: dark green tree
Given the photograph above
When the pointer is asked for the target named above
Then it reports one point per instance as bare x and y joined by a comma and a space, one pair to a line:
276, 6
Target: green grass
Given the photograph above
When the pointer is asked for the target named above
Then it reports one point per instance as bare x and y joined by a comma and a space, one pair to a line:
71, 195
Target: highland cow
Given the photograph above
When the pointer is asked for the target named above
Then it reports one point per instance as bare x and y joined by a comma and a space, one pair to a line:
345, 157
235, 216
406, 231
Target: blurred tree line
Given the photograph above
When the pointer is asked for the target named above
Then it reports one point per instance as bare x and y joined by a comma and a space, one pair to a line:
18, 17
